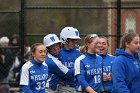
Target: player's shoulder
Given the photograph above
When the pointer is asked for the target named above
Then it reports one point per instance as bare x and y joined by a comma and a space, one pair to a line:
27, 65
80, 57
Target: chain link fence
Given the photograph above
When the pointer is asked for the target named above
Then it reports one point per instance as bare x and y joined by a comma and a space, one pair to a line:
29, 21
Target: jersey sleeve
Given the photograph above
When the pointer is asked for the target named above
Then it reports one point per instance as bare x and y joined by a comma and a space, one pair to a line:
80, 72
56, 67
82, 81
24, 74
77, 65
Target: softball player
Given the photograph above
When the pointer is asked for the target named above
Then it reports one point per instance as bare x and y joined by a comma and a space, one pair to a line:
69, 37
107, 64
34, 73
53, 59
88, 67
126, 66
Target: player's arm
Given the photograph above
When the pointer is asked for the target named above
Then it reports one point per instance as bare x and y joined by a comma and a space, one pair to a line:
90, 90
83, 82
24, 79
80, 75
119, 76
61, 70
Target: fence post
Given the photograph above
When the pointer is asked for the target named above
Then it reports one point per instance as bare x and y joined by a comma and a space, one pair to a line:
22, 32
118, 22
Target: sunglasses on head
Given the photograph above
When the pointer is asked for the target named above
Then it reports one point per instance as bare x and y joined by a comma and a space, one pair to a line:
93, 35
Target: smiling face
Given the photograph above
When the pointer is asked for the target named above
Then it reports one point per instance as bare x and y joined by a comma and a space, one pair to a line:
133, 46
102, 46
39, 52
54, 49
130, 42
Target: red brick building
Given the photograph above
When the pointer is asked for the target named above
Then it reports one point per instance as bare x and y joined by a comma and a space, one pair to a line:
130, 19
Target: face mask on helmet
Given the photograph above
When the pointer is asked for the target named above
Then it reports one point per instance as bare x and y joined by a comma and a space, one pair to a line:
69, 32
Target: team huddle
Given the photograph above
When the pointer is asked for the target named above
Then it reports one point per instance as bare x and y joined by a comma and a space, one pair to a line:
58, 66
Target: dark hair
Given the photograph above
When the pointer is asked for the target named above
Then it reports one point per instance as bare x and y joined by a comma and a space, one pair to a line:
127, 38
15, 36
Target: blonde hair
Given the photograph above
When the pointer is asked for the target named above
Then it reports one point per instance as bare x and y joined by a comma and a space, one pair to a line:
88, 39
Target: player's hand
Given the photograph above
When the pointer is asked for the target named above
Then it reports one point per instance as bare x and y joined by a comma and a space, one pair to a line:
105, 77
109, 76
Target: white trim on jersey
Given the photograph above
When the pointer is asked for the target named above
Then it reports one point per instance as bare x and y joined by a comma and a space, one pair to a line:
58, 63
49, 79
80, 88
77, 64
44, 63
25, 73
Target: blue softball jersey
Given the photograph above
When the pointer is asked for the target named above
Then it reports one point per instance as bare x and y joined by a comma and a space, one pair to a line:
88, 71
56, 70
33, 77
68, 59
107, 66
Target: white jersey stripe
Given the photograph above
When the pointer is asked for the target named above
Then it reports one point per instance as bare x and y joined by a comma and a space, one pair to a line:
77, 64
25, 73
59, 64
